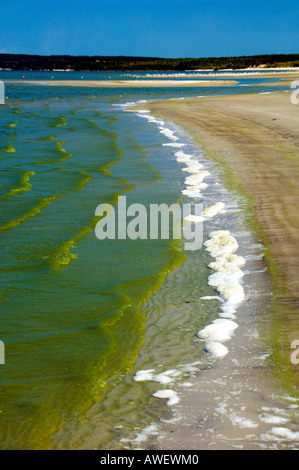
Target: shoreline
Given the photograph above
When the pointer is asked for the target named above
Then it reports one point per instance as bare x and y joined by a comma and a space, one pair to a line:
235, 131
255, 140
191, 380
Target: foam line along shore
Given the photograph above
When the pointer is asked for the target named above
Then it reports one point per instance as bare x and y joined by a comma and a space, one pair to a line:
222, 246
255, 138
226, 279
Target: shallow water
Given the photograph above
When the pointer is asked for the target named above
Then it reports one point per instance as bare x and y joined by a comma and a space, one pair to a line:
76, 310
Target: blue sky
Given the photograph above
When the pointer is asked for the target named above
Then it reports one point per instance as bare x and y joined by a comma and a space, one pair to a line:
160, 28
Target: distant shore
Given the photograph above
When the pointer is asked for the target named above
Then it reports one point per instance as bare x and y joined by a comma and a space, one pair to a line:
172, 79
129, 83
107, 63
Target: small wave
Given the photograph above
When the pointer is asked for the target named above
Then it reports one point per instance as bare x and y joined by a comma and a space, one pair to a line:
60, 122
61, 150
58, 149
23, 185
91, 122
11, 125
47, 138
8, 149
32, 213
84, 180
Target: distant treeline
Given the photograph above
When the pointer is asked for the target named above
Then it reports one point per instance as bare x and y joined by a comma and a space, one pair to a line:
122, 63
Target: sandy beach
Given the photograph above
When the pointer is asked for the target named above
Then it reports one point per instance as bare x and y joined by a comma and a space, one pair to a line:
256, 140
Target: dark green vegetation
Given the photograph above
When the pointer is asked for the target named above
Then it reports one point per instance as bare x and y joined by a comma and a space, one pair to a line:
37, 62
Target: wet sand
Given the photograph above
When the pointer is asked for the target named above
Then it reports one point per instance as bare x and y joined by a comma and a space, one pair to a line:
256, 140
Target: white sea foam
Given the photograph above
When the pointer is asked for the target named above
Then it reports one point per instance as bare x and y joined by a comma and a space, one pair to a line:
228, 311
198, 186
150, 118
211, 297
126, 105
166, 377
228, 263
219, 330
144, 375
168, 133
194, 183
213, 210
233, 294
197, 178
163, 378
172, 397
228, 314
222, 265
193, 166
272, 419
274, 409
192, 193
174, 144
221, 243
151, 430
242, 422
182, 157
186, 384
194, 218
215, 348
254, 257
288, 398
208, 213
284, 433
201, 186
226, 279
